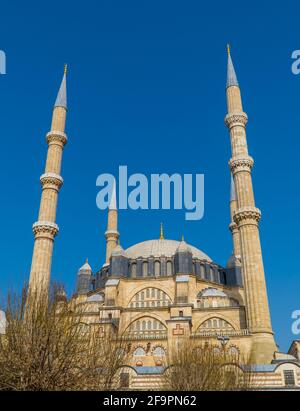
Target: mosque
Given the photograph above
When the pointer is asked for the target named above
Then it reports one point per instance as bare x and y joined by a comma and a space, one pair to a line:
160, 291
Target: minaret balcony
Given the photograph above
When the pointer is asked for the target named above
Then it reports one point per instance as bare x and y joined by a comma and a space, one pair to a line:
46, 229
236, 119
238, 164
247, 216
56, 137
51, 180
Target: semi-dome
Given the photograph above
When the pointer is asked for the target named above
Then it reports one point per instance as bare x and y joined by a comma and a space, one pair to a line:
211, 292
162, 247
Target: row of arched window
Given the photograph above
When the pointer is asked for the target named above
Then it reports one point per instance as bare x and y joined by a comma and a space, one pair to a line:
157, 269
160, 351
151, 324
215, 323
217, 302
157, 352
198, 269
146, 324
232, 350
150, 297
154, 297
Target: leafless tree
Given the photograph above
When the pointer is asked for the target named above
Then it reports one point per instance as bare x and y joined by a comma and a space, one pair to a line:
49, 345
202, 367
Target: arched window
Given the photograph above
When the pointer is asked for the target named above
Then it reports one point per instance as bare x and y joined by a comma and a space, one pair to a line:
215, 324
120, 352
159, 352
169, 268
133, 270
145, 269
139, 352
233, 351
157, 268
146, 325
150, 297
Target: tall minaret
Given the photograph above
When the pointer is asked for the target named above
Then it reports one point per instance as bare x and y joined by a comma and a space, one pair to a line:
45, 229
233, 226
247, 217
112, 234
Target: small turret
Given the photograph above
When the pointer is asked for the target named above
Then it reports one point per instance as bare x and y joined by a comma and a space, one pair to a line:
233, 262
61, 296
234, 271
118, 262
183, 259
84, 278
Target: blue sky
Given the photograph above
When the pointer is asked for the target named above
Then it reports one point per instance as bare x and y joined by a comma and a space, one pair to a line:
146, 89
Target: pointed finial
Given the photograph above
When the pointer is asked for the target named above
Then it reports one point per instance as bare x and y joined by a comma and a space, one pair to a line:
161, 236
65, 69
182, 237
86, 260
228, 49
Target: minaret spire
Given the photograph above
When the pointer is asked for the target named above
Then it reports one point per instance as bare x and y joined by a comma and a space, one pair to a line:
231, 76
112, 235
246, 217
61, 99
45, 229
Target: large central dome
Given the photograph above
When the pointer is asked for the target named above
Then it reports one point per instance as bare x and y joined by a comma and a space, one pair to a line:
158, 248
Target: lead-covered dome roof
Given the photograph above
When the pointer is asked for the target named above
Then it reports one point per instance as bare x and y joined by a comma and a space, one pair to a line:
161, 247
